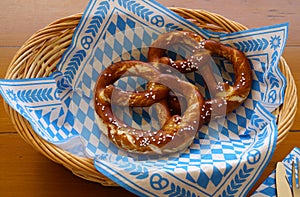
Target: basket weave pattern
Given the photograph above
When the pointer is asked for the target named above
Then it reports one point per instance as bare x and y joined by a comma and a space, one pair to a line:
41, 52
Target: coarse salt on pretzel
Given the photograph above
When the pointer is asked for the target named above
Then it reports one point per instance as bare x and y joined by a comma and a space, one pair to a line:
230, 96
165, 41
177, 132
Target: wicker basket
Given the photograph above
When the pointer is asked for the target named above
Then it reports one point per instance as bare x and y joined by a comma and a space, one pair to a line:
40, 54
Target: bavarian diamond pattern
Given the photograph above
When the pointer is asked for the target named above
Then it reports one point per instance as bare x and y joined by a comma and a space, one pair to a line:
224, 151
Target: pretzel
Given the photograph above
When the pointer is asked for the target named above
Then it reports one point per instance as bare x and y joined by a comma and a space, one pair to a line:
165, 41
231, 96
154, 90
177, 132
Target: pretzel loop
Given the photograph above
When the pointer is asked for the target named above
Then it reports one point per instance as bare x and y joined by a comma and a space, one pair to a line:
176, 133
179, 126
230, 96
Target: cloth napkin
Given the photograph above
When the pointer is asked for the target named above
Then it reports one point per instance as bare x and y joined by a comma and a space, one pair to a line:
226, 157
268, 187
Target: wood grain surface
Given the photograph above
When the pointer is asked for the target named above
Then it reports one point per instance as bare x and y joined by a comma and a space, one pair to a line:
26, 172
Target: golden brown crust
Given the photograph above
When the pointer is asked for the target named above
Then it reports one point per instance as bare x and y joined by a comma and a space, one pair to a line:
226, 98
185, 108
176, 133
166, 41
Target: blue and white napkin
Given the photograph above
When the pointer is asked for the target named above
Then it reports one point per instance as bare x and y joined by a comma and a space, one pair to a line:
268, 187
226, 157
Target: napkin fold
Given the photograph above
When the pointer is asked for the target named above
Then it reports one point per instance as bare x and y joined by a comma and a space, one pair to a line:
226, 157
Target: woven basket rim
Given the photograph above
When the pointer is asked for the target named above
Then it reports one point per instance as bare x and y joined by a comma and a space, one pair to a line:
41, 52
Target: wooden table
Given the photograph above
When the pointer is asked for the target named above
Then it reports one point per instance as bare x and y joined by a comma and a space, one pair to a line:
26, 172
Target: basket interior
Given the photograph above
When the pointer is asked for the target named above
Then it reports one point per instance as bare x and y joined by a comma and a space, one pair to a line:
41, 52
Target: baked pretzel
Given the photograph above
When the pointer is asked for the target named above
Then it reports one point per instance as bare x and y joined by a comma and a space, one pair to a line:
155, 90
177, 132
231, 96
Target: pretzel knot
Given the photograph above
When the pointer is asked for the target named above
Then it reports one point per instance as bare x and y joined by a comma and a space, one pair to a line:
226, 98
177, 131
172, 94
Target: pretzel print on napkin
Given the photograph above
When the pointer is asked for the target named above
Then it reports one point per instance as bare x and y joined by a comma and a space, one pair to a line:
224, 152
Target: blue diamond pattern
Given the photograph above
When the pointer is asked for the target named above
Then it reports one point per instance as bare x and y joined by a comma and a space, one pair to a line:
87, 80
242, 121
81, 116
112, 28
203, 179
127, 119
127, 44
70, 119
118, 47
121, 24
86, 133
122, 85
130, 23
137, 42
216, 141
147, 39
232, 126
137, 118
99, 55
216, 176
108, 50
